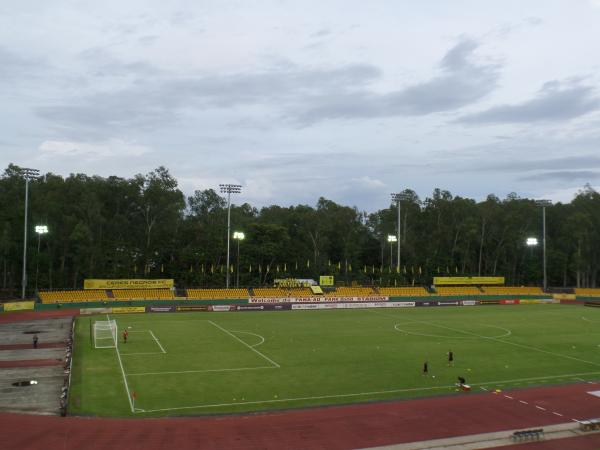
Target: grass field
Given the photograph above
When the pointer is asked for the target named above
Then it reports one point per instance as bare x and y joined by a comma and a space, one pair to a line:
206, 363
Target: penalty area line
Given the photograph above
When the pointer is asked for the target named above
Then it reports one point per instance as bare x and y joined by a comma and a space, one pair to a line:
247, 345
157, 341
237, 369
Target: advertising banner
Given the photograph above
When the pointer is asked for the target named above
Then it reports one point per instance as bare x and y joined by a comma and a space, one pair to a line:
95, 310
470, 302
192, 308
128, 284
564, 297
427, 303
489, 302
320, 299
128, 309
326, 280
397, 304
160, 308
19, 306
510, 302
445, 281
449, 303
221, 308
263, 307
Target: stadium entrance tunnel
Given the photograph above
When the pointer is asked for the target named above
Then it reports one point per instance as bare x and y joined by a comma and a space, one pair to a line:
24, 383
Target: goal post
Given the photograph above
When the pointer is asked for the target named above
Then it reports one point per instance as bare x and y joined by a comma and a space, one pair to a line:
105, 334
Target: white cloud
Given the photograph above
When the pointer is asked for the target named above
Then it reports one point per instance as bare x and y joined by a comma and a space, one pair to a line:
369, 183
92, 150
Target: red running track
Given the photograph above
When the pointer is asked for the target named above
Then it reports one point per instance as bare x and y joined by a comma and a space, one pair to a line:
30, 346
31, 363
341, 427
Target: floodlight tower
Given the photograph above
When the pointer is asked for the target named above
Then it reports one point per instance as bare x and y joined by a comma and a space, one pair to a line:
391, 240
238, 236
398, 197
39, 229
28, 174
543, 204
229, 189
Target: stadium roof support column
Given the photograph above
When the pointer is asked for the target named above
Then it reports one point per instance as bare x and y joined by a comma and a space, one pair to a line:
229, 189
28, 174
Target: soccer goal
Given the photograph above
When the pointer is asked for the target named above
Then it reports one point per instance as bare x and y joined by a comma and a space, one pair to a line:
105, 334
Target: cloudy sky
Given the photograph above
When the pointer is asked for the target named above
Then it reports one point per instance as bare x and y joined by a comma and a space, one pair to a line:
349, 100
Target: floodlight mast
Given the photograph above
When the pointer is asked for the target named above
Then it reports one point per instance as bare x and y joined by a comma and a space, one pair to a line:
391, 239
398, 197
39, 229
28, 174
229, 189
238, 236
543, 204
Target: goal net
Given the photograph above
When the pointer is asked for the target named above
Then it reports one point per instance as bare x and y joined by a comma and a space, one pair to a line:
105, 334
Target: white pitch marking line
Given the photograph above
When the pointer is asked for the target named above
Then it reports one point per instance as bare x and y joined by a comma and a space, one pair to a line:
525, 403
508, 396
253, 334
238, 369
320, 397
142, 353
578, 379
507, 342
347, 395
249, 346
539, 407
157, 341
557, 414
123, 372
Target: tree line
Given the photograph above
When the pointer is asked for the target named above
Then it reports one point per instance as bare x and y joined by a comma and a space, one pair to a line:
146, 227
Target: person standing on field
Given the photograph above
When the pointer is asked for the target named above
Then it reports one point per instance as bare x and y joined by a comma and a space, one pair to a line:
125, 334
425, 368
450, 358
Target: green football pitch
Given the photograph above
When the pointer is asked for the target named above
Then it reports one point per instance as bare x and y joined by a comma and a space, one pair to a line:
209, 363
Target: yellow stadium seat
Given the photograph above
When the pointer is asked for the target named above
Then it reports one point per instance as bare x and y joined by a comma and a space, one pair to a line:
512, 290
212, 294
457, 290
408, 291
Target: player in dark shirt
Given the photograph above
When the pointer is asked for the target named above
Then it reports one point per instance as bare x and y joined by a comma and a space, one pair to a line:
425, 368
450, 358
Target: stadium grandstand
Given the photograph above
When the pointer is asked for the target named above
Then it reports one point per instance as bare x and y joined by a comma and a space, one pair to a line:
457, 290
411, 291
73, 296
587, 292
143, 294
215, 294
351, 292
512, 290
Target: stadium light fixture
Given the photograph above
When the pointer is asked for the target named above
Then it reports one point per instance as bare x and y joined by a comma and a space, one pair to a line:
531, 242
238, 236
398, 197
391, 239
39, 229
543, 204
28, 174
229, 189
